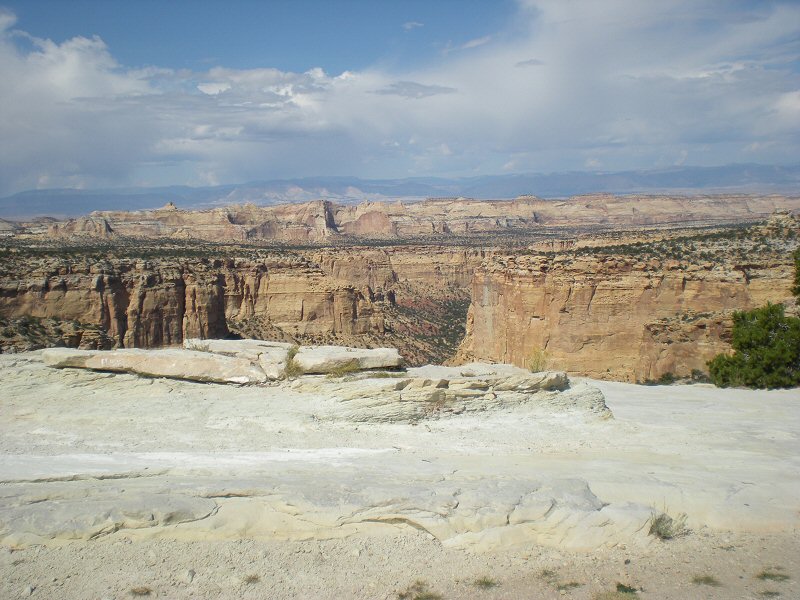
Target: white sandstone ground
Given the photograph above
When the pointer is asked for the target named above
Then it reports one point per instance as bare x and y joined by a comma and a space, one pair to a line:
112, 482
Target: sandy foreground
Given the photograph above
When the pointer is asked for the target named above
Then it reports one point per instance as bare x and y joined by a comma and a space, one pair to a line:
255, 492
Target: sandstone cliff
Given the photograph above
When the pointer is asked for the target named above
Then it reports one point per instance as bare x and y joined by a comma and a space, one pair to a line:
149, 303
323, 221
628, 313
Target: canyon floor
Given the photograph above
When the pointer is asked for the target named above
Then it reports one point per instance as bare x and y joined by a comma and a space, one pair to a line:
118, 486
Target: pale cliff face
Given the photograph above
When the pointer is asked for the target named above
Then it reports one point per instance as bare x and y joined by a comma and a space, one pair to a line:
623, 317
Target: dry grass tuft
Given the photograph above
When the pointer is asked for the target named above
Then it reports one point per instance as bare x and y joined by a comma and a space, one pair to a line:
419, 590
706, 580
771, 575
485, 583
665, 527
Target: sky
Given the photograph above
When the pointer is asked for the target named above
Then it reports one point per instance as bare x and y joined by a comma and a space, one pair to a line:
112, 93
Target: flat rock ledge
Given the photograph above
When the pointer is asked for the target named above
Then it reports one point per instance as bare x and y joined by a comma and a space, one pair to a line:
227, 361
476, 514
363, 384
433, 392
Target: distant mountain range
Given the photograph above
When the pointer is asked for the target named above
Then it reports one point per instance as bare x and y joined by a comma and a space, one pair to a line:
744, 178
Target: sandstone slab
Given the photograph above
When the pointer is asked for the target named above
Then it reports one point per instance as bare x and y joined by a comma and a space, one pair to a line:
329, 359
177, 364
270, 356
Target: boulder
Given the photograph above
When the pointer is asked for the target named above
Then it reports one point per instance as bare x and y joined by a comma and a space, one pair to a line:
330, 359
173, 363
270, 356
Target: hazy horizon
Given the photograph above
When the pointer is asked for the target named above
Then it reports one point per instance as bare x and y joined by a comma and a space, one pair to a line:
124, 94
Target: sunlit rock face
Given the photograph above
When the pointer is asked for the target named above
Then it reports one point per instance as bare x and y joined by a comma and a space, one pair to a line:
160, 302
617, 317
323, 220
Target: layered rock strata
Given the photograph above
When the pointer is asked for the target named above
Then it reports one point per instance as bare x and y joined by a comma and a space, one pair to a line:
321, 221
161, 302
616, 316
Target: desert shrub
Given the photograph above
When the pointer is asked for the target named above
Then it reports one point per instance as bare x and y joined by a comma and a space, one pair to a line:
667, 379
419, 590
538, 360
796, 288
292, 368
665, 527
698, 376
766, 354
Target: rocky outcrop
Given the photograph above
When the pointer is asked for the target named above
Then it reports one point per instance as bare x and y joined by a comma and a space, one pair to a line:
321, 221
426, 393
628, 316
359, 393
161, 302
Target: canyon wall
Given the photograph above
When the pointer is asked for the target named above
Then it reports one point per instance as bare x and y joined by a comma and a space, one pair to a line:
623, 317
323, 221
149, 303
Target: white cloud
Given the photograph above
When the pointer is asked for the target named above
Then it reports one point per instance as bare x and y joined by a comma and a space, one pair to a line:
636, 83
7, 19
476, 42
408, 26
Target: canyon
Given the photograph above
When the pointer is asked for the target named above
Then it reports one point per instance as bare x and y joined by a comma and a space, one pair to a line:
628, 288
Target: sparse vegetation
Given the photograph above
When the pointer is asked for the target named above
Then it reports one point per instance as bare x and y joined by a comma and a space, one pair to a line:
386, 375
292, 368
616, 595
485, 583
141, 590
548, 575
769, 594
665, 379
252, 578
709, 580
344, 369
664, 527
419, 590
538, 360
569, 585
772, 575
